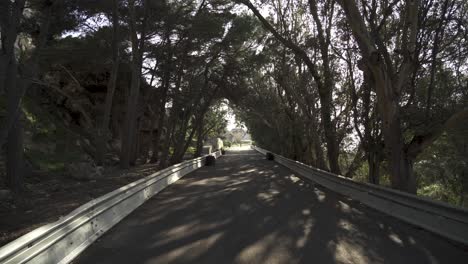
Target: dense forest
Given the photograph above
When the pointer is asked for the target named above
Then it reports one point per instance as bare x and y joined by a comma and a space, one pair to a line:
373, 90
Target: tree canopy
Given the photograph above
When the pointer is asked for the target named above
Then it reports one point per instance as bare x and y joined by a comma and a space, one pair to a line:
373, 90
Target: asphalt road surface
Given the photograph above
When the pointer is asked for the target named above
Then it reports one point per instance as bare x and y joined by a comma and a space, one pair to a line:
247, 209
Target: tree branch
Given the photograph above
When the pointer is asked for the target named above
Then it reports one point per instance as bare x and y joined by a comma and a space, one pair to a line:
420, 142
288, 43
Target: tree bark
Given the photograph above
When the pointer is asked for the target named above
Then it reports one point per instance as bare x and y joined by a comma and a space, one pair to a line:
11, 14
181, 148
388, 88
373, 159
15, 86
135, 154
14, 147
130, 127
129, 135
103, 130
200, 138
166, 144
325, 93
435, 51
162, 106
15, 158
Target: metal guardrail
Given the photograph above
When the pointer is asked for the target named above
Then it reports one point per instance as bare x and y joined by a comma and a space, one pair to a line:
63, 240
440, 218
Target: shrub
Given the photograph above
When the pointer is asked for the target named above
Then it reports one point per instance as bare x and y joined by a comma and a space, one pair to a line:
227, 143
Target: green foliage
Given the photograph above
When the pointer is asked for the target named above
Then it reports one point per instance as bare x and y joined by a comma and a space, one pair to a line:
190, 150
208, 26
49, 145
442, 169
439, 192
362, 174
215, 121
227, 143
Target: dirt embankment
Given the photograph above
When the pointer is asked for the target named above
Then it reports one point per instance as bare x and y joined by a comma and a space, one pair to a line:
50, 196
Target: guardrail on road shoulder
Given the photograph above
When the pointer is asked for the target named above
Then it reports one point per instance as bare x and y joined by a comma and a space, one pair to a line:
63, 240
440, 218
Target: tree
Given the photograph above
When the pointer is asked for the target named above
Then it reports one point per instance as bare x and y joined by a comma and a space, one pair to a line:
103, 130
15, 82
213, 125
391, 74
128, 151
323, 81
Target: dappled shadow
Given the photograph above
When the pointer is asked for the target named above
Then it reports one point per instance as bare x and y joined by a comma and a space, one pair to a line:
49, 196
250, 210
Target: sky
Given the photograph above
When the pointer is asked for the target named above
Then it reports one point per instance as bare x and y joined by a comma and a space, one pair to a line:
231, 122
230, 116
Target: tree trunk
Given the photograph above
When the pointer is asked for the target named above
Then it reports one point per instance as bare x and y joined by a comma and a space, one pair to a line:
182, 147
373, 161
136, 147
11, 14
330, 135
200, 138
401, 166
161, 113
15, 158
14, 147
129, 135
12, 129
103, 130
156, 140
320, 159
325, 90
130, 125
388, 88
321, 164
166, 143
180, 141
324, 86
166, 148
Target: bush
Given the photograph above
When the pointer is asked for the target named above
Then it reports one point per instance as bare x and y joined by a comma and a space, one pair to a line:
227, 143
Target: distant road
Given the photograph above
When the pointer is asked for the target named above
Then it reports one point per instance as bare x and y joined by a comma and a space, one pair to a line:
250, 210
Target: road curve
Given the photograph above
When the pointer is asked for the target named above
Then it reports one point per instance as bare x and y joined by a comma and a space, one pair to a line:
250, 210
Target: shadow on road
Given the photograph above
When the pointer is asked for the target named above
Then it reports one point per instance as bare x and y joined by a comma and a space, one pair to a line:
250, 210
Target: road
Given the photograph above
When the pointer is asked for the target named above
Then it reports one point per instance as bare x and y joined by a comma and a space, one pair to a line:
247, 209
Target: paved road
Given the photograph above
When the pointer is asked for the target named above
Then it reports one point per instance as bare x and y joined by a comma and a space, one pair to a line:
250, 210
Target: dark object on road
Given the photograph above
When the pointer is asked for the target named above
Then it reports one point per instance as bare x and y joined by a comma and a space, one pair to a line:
223, 152
270, 156
210, 160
